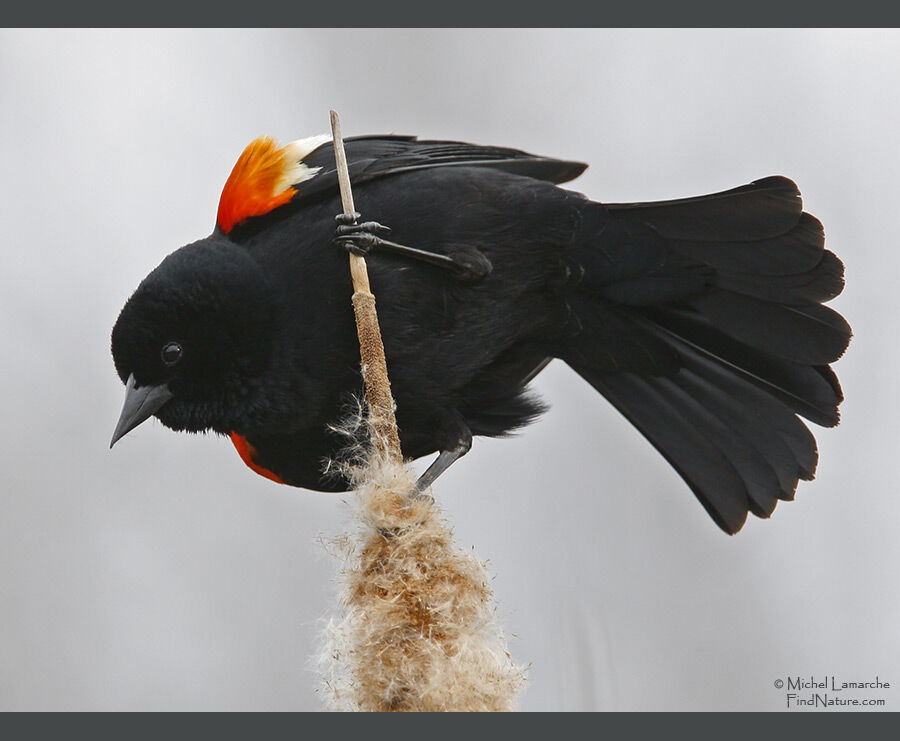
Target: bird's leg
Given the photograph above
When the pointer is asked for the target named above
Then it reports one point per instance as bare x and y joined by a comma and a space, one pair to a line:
467, 263
449, 454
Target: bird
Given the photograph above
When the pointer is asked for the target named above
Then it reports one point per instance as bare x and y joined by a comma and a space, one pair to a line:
700, 319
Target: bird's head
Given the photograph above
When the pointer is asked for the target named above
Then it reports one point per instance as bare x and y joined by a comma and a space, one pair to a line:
194, 340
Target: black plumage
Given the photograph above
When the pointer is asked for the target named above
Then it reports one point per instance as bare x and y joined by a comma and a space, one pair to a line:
700, 319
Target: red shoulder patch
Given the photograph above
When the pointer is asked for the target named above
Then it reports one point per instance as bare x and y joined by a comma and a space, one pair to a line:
263, 179
247, 453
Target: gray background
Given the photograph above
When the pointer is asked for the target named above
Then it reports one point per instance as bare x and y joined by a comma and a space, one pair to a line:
165, 575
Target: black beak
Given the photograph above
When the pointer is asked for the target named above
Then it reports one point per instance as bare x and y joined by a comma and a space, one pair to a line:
140, 403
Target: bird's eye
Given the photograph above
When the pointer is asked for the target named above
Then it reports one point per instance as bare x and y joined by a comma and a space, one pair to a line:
171, 353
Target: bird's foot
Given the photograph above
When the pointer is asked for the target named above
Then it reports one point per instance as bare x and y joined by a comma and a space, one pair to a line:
360, 239
465, 262
445, 459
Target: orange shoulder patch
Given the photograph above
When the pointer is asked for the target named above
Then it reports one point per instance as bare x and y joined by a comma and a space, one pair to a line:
264, 178
247, 453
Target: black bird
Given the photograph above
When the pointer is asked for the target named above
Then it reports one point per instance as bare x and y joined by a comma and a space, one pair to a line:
700, 320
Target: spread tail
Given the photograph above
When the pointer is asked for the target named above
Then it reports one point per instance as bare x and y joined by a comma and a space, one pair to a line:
702, 321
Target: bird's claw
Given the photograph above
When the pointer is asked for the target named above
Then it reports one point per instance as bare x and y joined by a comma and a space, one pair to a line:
467, 263
348, 219
360, 239
361, 243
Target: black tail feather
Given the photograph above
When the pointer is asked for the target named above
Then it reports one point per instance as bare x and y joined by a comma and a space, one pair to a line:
763, 209
798, 250
808, 390
701, 464
723, 295
737, 448
809, 335
821, 283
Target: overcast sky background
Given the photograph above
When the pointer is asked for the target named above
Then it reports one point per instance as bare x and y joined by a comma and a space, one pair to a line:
166, 575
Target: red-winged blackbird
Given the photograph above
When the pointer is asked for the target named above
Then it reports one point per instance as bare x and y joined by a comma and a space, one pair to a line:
699, 319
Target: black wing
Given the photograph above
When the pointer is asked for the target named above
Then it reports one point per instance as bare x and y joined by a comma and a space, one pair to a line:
370, 157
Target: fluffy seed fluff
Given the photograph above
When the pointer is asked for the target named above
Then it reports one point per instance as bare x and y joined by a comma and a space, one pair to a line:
417, 628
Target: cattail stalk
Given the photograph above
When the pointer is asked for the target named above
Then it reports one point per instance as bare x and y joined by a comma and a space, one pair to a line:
418, 628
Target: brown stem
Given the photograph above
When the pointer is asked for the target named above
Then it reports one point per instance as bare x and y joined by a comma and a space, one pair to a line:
382, 422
